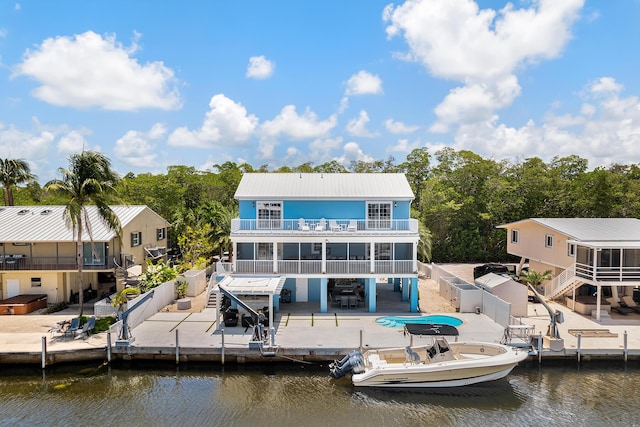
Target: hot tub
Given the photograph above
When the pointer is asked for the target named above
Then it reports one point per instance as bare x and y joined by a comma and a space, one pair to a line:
23, 304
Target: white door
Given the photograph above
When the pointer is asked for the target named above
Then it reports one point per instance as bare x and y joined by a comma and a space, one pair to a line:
13, 287
302, 290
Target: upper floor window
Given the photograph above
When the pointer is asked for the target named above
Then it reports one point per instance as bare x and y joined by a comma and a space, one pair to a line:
269, 214
515, 235
136, 238
94, 253
571, 249
36, 282
548, 241
379, 215
161, 233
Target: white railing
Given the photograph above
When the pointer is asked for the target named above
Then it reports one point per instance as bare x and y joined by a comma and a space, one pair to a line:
322, 226
332, 267
561, 281
348, 267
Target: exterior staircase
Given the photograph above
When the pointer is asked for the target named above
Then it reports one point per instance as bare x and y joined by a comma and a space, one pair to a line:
562, 284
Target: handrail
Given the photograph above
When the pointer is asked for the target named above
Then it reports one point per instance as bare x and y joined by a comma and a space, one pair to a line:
560, 281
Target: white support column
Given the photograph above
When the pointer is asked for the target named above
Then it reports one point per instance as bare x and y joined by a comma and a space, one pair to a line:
372, 255
415, 256
324, 256
275, 259
271, 309
235, 256
598, 300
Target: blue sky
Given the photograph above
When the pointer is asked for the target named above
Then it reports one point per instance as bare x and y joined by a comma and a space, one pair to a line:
153, 84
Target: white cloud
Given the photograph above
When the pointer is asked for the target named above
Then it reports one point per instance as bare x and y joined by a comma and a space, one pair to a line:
89, 70
17, 6
606, 130
226, 122
260, 68
398, 127
136, 149
297, 127
73, 142
403, 146
351, 152
3, 33
358, 126
456, 40
32, 146
320, 149
364, 83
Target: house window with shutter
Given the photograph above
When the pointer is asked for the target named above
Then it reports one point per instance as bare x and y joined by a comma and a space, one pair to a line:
136, 238
548, 241
160, 233
515, 234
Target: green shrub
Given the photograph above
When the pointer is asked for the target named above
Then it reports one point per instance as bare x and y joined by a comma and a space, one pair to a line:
103, 323
59, 306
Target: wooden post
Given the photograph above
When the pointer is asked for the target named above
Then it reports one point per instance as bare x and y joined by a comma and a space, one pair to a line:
222, 354
108, 347
626, 350
360, 340
44, 351
177, 348
579, 340
540, 347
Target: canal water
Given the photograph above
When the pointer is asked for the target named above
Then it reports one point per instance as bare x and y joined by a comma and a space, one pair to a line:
303, 395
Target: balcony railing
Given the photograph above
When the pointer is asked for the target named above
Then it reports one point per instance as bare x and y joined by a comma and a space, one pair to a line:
332, 267
608, 274
316, 225
10, 262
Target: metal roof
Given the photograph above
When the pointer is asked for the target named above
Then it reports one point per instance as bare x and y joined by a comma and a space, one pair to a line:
330, 186
47, 223
591, 229
252, 285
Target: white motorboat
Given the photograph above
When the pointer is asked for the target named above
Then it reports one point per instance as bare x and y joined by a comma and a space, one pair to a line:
437, 364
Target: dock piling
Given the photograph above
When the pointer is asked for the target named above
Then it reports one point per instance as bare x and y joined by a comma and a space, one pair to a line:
177, 348
579, 340
44, 352
626, 350
222, 353
108, 347
540, 347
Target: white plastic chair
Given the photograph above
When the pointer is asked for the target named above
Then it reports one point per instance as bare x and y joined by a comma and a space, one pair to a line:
333, 225
353, 225
302, 225
321, 225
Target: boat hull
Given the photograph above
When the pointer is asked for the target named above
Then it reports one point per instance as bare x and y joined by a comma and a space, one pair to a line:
451, 373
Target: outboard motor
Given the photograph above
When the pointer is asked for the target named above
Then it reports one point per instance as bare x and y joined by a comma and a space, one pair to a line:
351, 363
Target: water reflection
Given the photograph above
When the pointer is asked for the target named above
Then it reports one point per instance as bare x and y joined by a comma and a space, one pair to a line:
283, 395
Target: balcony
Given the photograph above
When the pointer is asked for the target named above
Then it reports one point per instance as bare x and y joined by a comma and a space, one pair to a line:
333, 267
23, 263
608, 274
315, 226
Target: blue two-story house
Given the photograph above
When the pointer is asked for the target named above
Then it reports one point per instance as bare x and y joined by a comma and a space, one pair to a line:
328, 236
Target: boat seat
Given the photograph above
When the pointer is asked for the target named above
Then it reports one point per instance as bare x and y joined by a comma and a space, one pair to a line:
412, 356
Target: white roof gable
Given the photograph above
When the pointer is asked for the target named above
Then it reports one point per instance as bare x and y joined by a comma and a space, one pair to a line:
47, 223
330, 186
591, 229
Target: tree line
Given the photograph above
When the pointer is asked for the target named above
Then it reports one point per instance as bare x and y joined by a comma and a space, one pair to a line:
460, 197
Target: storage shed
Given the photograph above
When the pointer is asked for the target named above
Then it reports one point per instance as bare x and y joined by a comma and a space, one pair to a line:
507, 290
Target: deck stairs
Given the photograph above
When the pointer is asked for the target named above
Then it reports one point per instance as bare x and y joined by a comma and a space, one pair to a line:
562, 284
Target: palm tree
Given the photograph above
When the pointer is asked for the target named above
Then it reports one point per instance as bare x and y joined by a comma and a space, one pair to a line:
89, 181
12, 173
535, 278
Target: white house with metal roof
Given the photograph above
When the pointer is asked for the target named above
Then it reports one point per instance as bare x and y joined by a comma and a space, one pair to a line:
38, 248
580, 251
330, 235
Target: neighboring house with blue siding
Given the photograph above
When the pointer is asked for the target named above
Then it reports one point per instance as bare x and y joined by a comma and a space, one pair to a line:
321, 231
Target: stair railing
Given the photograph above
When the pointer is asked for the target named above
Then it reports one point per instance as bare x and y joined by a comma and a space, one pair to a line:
561, 281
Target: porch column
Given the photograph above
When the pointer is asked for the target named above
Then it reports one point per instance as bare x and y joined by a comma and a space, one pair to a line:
275, 259
413, 293
323, 292
234, 257
396, 284
415, 257
598, 300
371, 294
389, 280
405, 289
372, 255
324, 260
276, 303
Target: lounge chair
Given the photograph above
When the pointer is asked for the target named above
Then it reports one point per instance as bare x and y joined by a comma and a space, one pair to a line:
302, 225
615, 306
73, 327
627, 301
333, 225
353, 225
87, 327
321, 225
